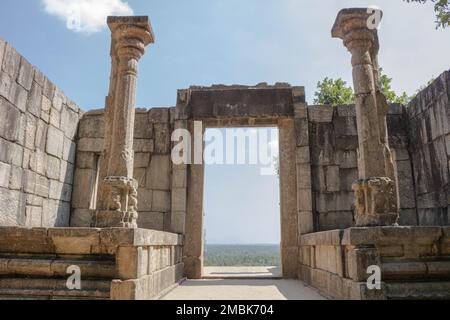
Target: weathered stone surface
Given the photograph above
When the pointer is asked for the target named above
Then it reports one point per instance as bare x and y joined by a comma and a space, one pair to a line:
333, 179
162, 138
9, 209
55, 214
92, 126
11, 153
10, 116
158, 115
90, 145
2, 51
40, 135
38, 162
179, 199
179, 177
33, 216
83, 181
11, 61
143, 129
158, 177
53, 168
303, 155
161, 201
69, 122
15, 180
5, 172
302, 132
151, 220
20, 97
55, 142
26, 74
42, 186
145, 197
67, 172
320, 113
144, 145
141, 160
69, 151
35, 100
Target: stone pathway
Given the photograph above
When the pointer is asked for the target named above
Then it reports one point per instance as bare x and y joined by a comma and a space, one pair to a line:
241, 272
241, 289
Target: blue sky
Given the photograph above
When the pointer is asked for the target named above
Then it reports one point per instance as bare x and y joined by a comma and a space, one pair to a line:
204, 42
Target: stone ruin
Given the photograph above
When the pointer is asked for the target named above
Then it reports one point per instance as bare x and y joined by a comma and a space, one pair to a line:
361, 185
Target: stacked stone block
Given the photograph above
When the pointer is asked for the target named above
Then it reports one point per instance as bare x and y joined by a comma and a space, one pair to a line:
414, 262
334, 142
397, 121
334, 163
152, 167
429, 130
37, 147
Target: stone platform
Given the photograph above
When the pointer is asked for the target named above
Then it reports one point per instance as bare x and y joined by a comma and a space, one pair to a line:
117, 264
414, 262
242, 273
240, 289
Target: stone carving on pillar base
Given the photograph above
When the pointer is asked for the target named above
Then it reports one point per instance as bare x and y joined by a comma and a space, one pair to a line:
376, 202
121, 209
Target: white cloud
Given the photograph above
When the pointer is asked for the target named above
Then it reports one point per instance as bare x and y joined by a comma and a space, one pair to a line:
86, 15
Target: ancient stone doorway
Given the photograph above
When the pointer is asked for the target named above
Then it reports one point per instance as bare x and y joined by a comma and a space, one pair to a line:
194, 240
242, 235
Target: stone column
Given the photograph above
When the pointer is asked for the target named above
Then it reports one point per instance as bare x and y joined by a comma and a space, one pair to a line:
375, 192
117, 203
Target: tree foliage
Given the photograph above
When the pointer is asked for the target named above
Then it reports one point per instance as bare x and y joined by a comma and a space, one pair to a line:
336, 92
442, 9
390, 94
333, 92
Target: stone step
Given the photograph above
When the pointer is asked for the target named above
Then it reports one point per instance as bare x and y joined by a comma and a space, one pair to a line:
418, 270
52, 288
48, 294
42, 267
418, 290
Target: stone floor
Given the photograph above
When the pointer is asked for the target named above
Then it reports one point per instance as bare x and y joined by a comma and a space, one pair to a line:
241, 289
241, 272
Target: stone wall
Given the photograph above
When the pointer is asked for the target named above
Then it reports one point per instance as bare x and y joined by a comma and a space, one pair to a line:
37, 149
152, 167
118, 264
334, 144
414, 262
429, 127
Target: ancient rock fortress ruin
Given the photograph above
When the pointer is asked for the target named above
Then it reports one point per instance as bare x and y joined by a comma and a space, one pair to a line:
361, 185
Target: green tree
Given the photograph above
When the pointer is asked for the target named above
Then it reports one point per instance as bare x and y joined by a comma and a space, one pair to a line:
442, 9
336, 92
390, 94
333, 92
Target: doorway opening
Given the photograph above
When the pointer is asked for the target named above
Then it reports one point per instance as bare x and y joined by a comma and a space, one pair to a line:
242, 232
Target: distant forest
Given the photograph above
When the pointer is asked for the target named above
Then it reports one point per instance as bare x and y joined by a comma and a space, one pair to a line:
242, 255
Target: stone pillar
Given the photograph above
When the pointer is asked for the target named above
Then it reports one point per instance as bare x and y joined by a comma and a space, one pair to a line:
375, 192
117, 203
